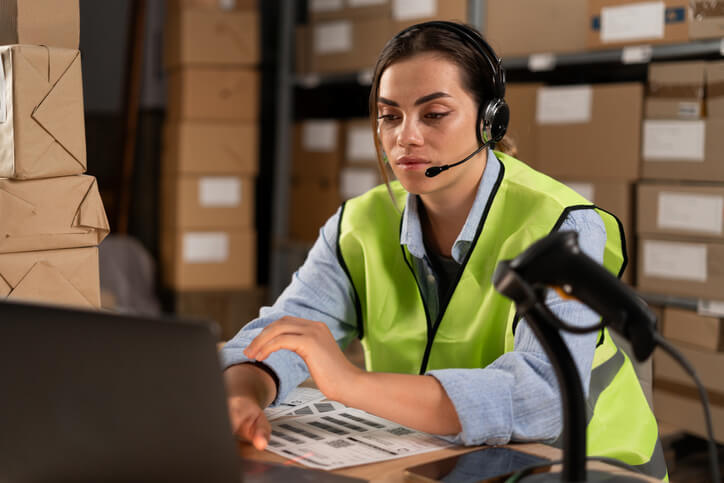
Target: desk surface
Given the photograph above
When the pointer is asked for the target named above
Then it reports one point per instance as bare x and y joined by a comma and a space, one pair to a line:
393, 471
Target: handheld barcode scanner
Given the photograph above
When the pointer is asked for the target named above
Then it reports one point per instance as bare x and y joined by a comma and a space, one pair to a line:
557, 261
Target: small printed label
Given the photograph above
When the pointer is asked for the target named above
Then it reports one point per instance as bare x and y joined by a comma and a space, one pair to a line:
675, 260
227, 4
541, 62
319, 135
636, 54
711, 308
642, 20
361, 145
587, 190
219, 191
205, 247
563, 105
690, 110
680, 211
319, 6
674, 140
333, 37
412, 9
365, 3
356, 181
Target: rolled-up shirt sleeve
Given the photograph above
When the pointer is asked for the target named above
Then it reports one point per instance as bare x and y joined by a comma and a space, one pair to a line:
320, 290
516, 398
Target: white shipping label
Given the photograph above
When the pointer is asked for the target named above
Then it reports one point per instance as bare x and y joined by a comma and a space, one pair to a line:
587, 190
642, 20
712, 308
674, 140
333, 37
319, 135
681, 211
227, 4
360, 145
356, 181
325, 5
691, 110
205, 247
219, 191
675, 260
562, 105
412, 9
365, 3
541, 62
3, 93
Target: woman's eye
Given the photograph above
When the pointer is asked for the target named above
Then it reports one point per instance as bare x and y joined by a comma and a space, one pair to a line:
436, 115
388, 117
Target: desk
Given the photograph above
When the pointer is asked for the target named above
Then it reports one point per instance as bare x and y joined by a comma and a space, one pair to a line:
393, 471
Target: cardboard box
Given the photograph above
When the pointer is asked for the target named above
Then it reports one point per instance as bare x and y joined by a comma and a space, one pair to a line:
55, 23
347, 45
209, 37
231, 309
681, 210
41, 113
317, 150
210, 148
410, 12
686, 412
64, 277
522, 128
618, 23
46, 214
706, 19
200, 202
173, 6
715, 90
311, 203
320, 10
708, 366
553, 26
218, 259
683, 150
680, 267
213, 94
616, 197
675, 90
590, 132
700, 331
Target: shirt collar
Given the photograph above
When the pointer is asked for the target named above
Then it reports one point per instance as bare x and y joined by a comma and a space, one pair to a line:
411, 230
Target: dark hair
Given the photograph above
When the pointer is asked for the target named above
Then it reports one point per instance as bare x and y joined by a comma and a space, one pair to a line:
474, 71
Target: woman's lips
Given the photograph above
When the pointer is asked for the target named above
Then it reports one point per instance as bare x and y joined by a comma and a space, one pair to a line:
413, 163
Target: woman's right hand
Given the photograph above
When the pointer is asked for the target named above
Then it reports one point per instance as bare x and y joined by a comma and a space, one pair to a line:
249, 390
248, 421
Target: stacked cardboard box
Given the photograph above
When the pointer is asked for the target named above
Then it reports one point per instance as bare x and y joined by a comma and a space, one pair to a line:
681, 199
210, 159
347, 35
589, 138
700, 338
52, 215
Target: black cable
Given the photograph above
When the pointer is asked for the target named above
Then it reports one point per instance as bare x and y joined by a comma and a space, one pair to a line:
676, 355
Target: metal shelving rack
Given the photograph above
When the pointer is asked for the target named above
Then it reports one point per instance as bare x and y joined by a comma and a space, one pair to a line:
286, 254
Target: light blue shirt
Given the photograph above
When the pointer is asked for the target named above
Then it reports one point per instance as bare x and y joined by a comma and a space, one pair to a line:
514, 398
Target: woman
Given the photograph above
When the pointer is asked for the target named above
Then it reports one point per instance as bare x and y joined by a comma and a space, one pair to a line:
407, 267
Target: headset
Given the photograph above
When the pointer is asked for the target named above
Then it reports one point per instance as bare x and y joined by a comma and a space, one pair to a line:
493, 116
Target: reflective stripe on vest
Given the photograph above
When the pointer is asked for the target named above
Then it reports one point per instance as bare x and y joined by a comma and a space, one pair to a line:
475, 324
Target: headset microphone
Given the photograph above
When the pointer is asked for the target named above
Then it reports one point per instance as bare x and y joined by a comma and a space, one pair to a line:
435, 170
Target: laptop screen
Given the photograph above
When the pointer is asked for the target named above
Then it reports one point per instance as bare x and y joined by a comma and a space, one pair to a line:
91, 395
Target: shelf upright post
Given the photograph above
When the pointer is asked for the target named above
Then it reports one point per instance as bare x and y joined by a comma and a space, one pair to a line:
282, 158
476, 14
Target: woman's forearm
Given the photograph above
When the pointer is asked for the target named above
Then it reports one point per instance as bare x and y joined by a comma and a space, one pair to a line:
419, 402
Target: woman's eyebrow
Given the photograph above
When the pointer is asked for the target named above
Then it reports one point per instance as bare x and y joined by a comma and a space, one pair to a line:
421, 100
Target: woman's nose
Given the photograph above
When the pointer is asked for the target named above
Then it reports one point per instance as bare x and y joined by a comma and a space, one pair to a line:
410, 134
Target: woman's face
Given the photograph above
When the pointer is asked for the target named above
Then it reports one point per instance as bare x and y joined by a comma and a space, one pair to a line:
425, 119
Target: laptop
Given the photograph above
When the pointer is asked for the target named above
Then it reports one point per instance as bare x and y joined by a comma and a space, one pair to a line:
98, 396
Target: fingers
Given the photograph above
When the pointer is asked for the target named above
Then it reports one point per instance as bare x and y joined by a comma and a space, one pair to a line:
249, 422
262, 432
292, 342
283, 326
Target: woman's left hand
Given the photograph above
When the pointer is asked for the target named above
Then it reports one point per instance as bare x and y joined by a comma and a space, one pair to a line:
313, 341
